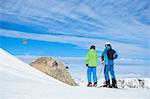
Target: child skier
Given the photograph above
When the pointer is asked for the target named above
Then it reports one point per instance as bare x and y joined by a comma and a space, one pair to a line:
91, 63
107, 59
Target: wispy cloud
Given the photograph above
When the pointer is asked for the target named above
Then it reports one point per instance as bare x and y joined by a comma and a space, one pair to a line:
125, 23
124, 49
98, 19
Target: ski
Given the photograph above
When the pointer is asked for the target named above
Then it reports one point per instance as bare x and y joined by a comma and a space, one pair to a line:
107, 87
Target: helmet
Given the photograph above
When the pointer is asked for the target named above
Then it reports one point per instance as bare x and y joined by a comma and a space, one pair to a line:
107, 43
92, 47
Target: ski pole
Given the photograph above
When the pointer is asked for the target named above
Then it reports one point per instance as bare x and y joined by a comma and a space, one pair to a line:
100, 71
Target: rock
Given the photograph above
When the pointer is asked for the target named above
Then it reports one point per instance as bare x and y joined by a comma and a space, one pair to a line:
133, 83
54, 68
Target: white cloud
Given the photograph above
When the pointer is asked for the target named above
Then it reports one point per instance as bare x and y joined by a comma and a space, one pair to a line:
112, 24
124, 50
109, 21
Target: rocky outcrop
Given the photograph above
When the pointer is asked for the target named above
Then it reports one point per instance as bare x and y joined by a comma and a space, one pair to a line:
134, 83
53, 68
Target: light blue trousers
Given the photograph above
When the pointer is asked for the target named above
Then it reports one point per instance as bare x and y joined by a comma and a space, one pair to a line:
91, 71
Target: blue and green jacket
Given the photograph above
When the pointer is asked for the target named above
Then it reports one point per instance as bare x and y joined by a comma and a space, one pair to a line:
108, 56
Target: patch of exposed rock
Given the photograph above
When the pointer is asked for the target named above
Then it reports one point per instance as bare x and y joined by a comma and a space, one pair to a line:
53, 68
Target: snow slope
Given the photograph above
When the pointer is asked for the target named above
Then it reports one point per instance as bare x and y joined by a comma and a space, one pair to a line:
18, 80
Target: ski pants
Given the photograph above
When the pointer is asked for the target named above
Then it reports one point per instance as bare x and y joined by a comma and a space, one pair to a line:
91, 71
109, 69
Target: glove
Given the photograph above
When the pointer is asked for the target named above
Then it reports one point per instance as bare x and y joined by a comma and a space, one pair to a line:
86, 65
103, 62
115, 56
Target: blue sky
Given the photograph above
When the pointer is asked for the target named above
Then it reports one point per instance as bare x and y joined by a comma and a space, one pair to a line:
41, 48
68, 27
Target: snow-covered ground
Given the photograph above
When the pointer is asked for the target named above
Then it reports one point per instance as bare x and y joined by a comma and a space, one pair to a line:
18, 80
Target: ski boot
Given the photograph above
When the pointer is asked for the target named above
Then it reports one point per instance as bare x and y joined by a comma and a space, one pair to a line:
89, 84
95, 84
114, 83
107, 84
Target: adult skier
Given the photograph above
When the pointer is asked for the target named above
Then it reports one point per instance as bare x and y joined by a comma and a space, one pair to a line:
91, 63
107, 57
